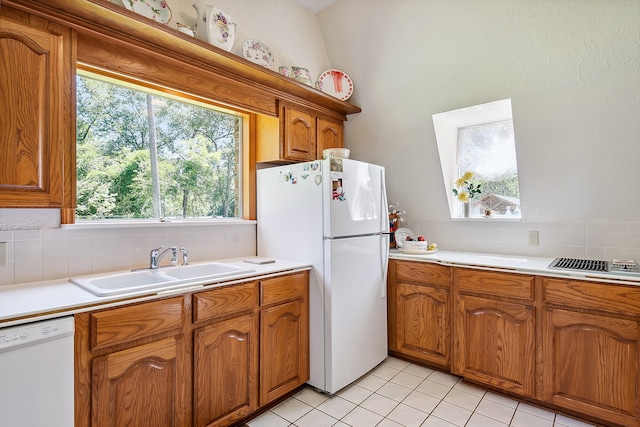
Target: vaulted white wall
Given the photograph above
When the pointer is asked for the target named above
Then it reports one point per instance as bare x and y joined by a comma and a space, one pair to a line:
570, 67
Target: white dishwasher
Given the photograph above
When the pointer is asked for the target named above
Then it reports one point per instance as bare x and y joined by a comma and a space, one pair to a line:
36, 374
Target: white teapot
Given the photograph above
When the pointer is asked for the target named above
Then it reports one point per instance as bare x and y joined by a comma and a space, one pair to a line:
214, 26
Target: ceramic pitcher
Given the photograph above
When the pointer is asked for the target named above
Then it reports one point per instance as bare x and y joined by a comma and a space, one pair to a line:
214, 26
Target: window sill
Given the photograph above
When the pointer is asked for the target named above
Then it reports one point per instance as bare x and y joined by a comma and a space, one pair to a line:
490, 219
89, 224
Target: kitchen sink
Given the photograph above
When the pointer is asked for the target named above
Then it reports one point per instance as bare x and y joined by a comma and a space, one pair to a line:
156, 279
203, 271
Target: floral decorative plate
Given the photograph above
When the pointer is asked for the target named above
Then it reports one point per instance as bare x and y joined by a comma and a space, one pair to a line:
336, 83
401, 234
158, 10
256, 52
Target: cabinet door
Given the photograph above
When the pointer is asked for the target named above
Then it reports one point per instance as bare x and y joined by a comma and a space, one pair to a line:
494, 343
141, 386
330, 135
592, 365
35, 100
284, 349
225, 371
422, 328
299, 135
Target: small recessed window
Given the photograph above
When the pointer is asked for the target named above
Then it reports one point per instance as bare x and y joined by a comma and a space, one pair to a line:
478, 155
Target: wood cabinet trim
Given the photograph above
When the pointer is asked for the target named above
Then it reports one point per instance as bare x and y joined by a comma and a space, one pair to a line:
101, 17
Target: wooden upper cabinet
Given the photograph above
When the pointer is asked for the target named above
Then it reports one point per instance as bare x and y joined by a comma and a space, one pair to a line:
298, 135
35, 100
330, 134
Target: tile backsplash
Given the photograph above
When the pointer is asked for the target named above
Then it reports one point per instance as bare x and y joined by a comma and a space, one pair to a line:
600, 240
47, 254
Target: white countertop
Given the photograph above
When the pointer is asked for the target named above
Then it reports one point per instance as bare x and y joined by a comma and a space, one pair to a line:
23, 303
512, 263
35, 301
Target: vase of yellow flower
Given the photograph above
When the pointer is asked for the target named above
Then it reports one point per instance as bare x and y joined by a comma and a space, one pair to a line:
466, 190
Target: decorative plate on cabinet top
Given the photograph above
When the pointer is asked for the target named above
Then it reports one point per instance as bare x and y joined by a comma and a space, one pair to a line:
401, 234
258, 53
336, 83
158, 10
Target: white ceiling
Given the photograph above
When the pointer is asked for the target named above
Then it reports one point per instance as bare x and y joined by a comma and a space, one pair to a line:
316, 6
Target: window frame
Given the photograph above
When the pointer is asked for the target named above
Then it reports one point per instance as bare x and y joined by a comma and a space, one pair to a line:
446, 126
134, 84
247, 143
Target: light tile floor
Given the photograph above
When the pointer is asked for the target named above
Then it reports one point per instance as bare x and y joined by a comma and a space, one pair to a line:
398, 393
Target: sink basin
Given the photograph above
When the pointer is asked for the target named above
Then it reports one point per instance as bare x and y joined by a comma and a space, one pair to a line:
157, 279
119, 283
203, 271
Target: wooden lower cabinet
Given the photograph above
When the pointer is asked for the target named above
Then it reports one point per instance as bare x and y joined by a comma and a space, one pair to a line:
225, 371
494, 343
571, 345
591, 349
494, 329
140, 386
420, 311
284, 336
282, 366
209, 358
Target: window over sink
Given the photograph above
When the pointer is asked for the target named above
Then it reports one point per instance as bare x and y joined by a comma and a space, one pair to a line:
146, 153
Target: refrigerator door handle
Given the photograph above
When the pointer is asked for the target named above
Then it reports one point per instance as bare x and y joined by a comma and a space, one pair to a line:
384, 206
384, 217
384, 263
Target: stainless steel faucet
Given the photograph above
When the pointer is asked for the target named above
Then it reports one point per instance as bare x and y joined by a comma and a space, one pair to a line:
185, 256
155, 256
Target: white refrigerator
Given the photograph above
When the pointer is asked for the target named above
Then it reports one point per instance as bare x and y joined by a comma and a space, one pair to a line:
333, 214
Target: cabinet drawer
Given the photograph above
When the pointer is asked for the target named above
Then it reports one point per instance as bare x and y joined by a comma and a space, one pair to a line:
596, 296
130, 323
283, 288
415, 271
508, 285
224, 301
